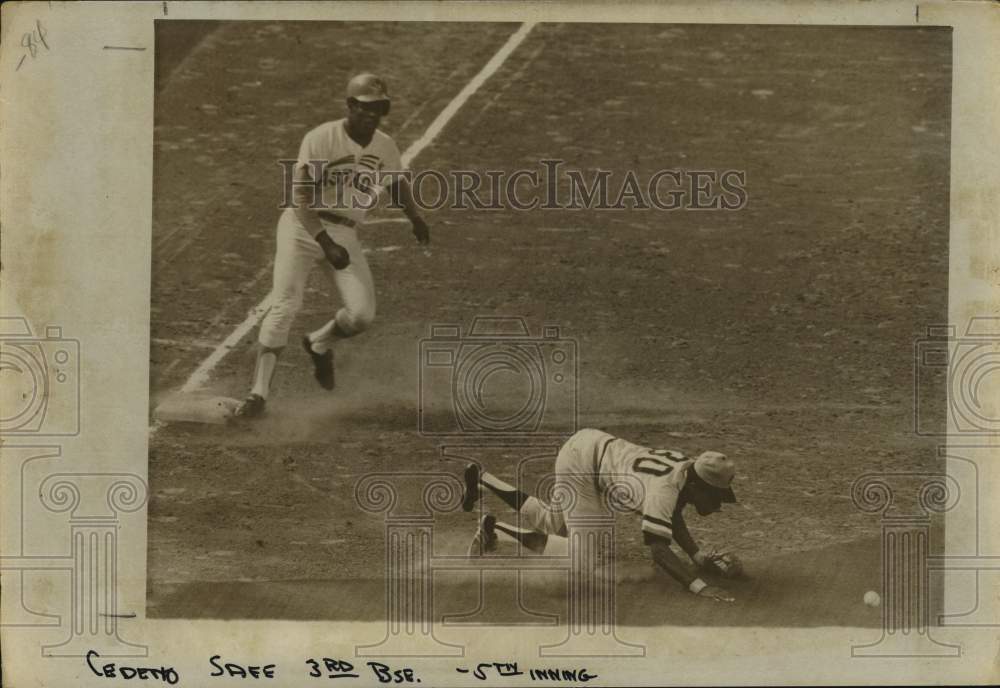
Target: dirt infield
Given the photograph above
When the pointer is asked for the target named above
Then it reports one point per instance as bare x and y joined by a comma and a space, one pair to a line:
820, 587
782, 333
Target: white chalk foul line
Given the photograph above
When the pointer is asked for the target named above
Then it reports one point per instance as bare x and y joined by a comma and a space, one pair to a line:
458, 101
203, 372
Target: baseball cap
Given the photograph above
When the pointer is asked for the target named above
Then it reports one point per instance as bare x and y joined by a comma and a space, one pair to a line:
718, 471
367, 88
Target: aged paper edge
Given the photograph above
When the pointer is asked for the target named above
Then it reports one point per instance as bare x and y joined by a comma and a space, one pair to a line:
87, 112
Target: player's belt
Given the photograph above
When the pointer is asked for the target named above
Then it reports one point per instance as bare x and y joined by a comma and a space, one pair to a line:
336, 219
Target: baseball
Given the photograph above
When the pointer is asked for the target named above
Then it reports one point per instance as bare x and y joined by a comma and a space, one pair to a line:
872, 598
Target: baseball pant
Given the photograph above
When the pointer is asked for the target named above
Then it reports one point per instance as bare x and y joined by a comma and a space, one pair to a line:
577, 489
296, 254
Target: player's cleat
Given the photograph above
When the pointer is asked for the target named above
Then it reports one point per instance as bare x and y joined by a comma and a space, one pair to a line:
251, 407
471, 495
322, 364
485, 539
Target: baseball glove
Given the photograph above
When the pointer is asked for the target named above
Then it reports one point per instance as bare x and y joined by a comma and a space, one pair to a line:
725, 564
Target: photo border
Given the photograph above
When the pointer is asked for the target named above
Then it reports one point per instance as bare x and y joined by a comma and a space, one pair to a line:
81, 104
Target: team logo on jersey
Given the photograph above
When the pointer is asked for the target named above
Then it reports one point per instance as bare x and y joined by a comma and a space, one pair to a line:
347, 173
367, 173
338, 172
372, 162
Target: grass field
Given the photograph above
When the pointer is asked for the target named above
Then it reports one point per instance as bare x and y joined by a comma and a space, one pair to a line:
781, 333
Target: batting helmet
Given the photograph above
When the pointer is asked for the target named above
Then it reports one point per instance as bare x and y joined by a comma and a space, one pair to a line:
367, 88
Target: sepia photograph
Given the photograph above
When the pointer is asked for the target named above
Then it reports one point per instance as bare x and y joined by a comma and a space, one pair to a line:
680, 266
499, 343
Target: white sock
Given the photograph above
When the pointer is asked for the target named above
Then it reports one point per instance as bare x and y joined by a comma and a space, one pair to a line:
267, 361
532, 539
322, 339
495, 483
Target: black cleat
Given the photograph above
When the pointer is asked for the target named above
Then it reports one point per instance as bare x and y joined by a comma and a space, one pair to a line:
322, 364
471, 495
485, 539
251, 407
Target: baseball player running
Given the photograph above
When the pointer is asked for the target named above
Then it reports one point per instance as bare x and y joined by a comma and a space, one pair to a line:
655, 483
351, 163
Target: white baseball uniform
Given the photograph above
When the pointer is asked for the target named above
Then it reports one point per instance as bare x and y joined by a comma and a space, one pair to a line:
593, 465
355, 179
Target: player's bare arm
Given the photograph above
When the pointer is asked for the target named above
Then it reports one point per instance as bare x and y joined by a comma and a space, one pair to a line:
726, 564
335, 253
707, 499
402, 197
684, 540
663, 555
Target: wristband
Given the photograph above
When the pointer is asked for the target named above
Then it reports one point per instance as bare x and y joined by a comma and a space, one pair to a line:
697, 585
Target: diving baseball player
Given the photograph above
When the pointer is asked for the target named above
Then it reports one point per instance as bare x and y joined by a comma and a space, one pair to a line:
655, 483
352, 167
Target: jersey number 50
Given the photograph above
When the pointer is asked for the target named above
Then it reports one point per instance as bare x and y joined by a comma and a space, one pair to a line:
653, 464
